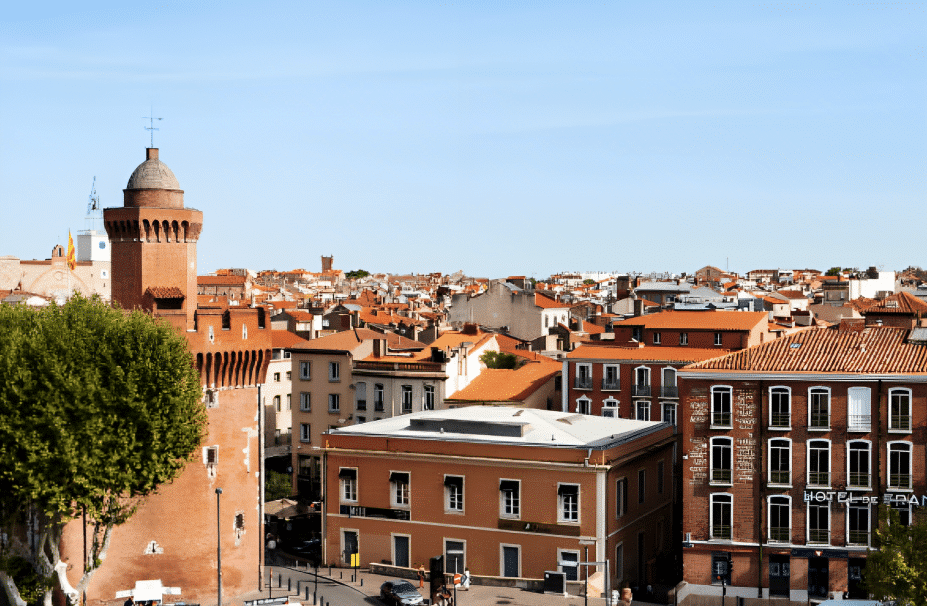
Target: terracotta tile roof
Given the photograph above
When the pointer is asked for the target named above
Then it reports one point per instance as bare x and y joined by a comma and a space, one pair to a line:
500, 385
282, 304
901, 303
164, 292
347, 340
548, 303
874, 350
636, 354
590, 328
220, 280
792, 294
452, 339
700, 320
860, 304
283, 339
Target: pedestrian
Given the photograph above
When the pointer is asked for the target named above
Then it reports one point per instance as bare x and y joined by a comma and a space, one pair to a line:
129, 602
421, 576
465, 581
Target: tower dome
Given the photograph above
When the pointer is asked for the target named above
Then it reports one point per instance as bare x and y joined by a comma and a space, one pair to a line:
152, 174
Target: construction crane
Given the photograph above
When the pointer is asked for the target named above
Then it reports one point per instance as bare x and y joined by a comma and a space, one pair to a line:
94, 203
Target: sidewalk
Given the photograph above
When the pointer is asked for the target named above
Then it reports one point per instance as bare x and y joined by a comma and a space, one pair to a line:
367, 585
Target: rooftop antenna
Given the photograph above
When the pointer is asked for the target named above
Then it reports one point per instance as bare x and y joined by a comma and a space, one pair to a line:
94, 210
152, 126
94, 202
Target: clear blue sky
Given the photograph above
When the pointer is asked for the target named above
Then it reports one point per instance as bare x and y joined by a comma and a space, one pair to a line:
494, 137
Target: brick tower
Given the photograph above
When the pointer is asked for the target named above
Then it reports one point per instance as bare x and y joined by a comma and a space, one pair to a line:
154, 245
172, 536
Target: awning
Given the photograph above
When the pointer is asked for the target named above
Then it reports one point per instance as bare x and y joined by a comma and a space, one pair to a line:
399, 477
508, 485
453, 481
347, 473
567, 489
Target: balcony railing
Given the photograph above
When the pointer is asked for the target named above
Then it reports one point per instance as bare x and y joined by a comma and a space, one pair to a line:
283, 439
858, 537
721, 419
819, 419
902, 422
378, 405
719, 531
779, 534
858, 480
641, 390
669, 392
859, 423
362, 405
611, 385
778, 477
780, 420
818, 478
899, 480
819, 536
582, 383
722, 476
404, 366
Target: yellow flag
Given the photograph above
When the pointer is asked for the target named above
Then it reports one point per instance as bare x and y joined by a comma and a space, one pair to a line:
72, 260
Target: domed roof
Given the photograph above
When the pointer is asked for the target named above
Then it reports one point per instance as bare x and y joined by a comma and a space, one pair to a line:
153, 174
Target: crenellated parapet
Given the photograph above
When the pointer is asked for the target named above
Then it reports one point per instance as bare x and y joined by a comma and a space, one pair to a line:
153, 225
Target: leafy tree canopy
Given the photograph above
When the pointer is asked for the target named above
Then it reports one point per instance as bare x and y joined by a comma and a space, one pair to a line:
898, 569
588, 281
98, 407
833, 271
357, 273
276, 485
497, 359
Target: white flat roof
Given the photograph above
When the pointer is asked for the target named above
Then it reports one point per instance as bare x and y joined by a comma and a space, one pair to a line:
508, 425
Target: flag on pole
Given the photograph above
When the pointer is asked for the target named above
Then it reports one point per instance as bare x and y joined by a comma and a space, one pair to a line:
72, 260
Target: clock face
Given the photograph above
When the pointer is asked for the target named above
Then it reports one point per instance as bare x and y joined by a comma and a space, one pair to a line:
102, 244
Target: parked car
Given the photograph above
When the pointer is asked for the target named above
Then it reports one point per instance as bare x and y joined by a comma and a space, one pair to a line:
398, 592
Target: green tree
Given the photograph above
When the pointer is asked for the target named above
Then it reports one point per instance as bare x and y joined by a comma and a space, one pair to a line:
498, 359
357, 273
898, 569
98, 407
276, 485
833, 271
588, 281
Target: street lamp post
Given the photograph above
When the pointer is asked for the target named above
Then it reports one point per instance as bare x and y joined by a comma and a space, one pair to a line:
219, 546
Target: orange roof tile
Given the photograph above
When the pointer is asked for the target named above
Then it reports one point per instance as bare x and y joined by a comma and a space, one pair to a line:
548, 303
165, 292
284, 339
637, 354
873, 350
502, 385
901, 303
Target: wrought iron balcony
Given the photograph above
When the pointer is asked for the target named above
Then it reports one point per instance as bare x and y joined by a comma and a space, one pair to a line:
720, 531
819, 420
582, 383
902, 422
778, 477
721, 419
641, 390
611, 385
858, 537
721, 476
669, 392
858, 480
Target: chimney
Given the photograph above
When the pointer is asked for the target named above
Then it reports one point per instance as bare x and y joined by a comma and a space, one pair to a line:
151, 153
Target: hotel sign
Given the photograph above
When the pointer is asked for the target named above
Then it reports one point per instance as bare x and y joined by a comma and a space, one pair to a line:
844, 497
